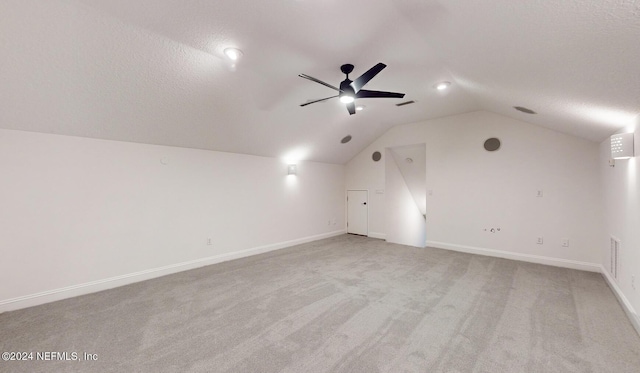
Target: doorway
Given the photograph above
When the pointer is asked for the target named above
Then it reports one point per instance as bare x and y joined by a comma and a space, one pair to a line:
406, 194
357, 212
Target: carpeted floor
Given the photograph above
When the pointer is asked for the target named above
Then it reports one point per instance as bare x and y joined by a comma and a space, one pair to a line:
344, 304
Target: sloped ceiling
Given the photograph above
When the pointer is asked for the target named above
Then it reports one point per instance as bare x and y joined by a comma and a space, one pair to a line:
153, 71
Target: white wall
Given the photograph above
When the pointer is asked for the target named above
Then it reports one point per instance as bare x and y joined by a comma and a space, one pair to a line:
621, 185
473, 189
77, 211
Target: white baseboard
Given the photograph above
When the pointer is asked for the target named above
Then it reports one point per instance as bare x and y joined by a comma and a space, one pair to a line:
380, 236
556, 262
112, 282
624, 302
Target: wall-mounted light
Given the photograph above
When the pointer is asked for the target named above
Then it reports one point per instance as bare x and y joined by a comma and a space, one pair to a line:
622, 146
292, 169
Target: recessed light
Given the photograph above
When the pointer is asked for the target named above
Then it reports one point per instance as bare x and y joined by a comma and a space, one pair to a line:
346, 99
524, 110
233, 54
360, 107
346, 139
442, 86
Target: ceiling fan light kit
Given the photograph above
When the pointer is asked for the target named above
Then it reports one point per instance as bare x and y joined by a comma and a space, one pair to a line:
350, 90
347, 99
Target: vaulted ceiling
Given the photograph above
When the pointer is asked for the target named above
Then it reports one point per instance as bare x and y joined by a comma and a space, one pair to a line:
153, 71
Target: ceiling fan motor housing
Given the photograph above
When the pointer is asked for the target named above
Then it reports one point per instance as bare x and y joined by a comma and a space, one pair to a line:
346, 88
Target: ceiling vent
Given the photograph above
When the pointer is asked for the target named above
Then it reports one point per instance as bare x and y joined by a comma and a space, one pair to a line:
524, 110
406, 103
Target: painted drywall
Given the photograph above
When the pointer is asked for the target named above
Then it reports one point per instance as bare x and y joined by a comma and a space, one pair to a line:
621, 192
77, 211
470, 189
405, 223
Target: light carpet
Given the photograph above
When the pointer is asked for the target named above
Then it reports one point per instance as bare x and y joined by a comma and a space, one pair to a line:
343, 304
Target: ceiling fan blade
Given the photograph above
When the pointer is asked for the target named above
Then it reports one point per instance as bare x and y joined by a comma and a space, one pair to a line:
322, 99
351, 108
319, 81
372, 94
364, 78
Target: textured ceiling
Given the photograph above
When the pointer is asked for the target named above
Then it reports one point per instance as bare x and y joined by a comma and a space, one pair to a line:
153, 71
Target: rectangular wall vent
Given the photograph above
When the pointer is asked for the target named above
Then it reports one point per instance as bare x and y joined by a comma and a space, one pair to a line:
614, 267
406, 103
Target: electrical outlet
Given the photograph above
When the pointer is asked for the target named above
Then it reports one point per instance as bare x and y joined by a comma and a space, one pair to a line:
564, 242
209, 241
540, 241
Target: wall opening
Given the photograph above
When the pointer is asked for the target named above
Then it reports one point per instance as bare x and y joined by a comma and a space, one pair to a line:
406, 194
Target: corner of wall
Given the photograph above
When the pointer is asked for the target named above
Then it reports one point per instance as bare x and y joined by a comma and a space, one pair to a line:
622, 299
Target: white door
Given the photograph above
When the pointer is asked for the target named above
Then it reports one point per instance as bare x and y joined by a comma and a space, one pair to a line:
357, 212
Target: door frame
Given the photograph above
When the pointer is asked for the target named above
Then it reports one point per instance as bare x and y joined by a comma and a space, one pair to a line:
346, 218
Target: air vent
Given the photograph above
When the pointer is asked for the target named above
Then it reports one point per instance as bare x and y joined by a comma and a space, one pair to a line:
524, 110
615, 257
492, 144
406, 103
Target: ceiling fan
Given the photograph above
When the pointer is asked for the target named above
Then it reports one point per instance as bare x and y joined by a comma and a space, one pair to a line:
350, 90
